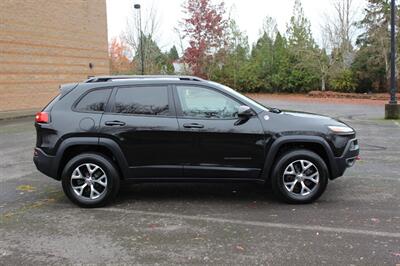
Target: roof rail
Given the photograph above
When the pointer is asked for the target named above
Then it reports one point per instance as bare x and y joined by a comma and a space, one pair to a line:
111, 78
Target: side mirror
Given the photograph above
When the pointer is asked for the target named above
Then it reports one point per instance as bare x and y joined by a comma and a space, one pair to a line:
244, 112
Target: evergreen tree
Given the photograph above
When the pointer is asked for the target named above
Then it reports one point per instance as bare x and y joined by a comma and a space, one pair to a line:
233, 60
262, 58
280, 68
155, 62
299, 29
374, 50
173, 54
304, 74
369, 73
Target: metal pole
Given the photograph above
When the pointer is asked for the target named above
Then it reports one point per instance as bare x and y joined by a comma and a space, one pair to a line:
393, 81
137, 6
141, 40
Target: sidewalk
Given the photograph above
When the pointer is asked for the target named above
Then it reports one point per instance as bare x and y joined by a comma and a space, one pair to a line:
15, 114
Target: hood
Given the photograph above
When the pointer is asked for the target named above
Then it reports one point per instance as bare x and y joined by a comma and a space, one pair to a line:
305, 115
294, 121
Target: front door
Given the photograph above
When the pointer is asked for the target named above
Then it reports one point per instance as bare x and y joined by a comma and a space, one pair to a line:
216, 145
143, 122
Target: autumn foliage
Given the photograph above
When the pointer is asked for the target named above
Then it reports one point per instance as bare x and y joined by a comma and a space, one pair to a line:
204, 27
119, 61
215, 48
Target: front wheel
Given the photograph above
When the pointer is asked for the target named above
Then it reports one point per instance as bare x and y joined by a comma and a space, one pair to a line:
90, 180
299, 176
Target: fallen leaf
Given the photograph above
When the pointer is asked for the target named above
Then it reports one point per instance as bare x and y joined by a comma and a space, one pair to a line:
238, 247
375, 220
8, 215
27, 188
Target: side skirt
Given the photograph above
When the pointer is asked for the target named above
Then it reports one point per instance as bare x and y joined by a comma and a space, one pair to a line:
192, 180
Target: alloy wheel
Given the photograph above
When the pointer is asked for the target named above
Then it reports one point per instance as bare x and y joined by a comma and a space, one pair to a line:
89, 181
301, 178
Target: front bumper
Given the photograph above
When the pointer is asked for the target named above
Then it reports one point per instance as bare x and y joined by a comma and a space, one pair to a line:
348, 158
45, 163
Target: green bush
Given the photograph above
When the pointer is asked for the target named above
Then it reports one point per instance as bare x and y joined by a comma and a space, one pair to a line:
344, 81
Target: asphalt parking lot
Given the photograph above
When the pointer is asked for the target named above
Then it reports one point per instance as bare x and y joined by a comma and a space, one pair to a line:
356, 221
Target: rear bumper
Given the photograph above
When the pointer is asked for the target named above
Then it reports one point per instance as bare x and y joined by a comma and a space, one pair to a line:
347, 160
45, 163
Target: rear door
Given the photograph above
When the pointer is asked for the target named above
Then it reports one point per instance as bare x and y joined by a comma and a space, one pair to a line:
216, 144
142, 121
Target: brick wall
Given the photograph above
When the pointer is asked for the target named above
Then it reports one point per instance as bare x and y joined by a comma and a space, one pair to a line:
46, 43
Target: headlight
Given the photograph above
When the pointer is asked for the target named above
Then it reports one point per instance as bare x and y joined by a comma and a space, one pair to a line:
341, 129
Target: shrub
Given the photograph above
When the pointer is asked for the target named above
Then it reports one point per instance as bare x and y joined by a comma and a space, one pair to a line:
344, 81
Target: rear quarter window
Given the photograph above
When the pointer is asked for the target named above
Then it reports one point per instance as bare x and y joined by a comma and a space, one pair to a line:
94, 101
50, 105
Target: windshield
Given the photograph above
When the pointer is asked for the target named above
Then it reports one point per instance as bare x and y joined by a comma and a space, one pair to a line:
240, 96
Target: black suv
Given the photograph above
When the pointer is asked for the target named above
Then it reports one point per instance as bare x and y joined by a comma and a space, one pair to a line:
110, 129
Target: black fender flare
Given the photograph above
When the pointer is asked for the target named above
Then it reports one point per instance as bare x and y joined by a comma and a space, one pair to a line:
93, 141
118, 154
277, 144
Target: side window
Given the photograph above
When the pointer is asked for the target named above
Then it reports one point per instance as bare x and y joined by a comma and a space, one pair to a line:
94, 101
142, 101
206, 103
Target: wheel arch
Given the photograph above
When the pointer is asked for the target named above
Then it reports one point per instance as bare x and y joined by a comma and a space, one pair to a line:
313, 143
77, 145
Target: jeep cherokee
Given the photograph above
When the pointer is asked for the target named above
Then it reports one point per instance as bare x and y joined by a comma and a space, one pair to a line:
110, 129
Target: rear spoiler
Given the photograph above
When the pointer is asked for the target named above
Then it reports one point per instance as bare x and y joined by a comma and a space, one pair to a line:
66, 88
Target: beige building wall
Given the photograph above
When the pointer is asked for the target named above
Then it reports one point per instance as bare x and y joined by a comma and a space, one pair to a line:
47, 43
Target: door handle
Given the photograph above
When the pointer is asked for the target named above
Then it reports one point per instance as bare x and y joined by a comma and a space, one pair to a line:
114, 123
193, 125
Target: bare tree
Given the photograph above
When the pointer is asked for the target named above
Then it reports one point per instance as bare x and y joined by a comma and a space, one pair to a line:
339, 32
324, 67
324, 61
338, 35
149, 25
182, 49
148, 30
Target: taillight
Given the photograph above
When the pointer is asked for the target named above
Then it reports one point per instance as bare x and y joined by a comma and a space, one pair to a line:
42, 117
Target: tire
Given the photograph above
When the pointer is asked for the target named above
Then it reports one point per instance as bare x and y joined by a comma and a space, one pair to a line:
292, 184
94, 171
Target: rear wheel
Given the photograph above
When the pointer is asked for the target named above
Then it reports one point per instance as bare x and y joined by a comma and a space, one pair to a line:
90, 180
299, 176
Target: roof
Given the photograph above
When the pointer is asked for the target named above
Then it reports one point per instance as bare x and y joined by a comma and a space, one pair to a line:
141, 77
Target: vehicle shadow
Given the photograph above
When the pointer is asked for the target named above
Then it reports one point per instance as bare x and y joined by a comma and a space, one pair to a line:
153, 192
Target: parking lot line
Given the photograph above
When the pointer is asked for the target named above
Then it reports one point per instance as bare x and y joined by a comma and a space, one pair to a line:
318, 228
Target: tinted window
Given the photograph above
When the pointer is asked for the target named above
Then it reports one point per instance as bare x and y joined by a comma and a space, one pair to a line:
142, 101
206, 103
94, 101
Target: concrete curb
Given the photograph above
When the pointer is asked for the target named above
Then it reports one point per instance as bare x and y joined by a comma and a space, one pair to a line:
11, 115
